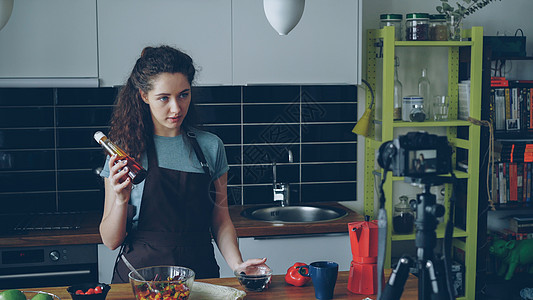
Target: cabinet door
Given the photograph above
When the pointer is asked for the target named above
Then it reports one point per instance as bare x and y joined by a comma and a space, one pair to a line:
324, 48
52, 38
202, 29
283, 252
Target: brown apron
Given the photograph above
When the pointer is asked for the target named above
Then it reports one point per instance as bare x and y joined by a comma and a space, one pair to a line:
174, 223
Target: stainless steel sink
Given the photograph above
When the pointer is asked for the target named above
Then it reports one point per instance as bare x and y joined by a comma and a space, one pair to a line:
294, 214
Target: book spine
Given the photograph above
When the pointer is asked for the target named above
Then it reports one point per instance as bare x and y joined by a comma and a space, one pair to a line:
513, 182
507, 105
501, 183
530, 101
528, 198
499, 109
495, 184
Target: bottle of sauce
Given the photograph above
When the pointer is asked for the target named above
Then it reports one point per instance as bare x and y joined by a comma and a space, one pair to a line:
135, 171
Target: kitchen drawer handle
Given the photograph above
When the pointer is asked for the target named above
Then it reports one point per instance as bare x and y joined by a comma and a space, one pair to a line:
46, 274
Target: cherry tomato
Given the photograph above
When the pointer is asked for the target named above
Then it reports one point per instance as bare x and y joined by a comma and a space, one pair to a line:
98, 290
79, 292
90, 291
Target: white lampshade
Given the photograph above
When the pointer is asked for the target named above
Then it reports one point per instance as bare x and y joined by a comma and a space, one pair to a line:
283, 15
6, 7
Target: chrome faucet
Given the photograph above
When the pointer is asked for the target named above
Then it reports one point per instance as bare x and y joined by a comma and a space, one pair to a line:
281, 190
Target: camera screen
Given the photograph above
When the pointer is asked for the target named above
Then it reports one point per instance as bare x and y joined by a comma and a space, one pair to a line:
422, 161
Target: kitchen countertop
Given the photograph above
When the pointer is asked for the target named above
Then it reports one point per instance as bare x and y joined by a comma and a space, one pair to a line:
89, 233
277, 289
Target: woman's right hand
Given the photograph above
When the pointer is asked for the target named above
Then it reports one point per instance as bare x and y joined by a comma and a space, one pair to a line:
119, 179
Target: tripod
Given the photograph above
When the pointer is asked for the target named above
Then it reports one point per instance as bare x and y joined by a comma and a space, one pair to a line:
432, 276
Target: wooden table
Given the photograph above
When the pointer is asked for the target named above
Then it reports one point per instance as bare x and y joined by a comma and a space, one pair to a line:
278, 289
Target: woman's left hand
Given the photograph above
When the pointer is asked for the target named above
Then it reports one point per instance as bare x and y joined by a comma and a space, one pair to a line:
252, 262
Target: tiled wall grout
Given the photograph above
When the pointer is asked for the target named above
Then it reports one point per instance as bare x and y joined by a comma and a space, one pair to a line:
253, 113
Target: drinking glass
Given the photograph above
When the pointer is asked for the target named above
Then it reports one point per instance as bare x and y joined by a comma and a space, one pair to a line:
440, 108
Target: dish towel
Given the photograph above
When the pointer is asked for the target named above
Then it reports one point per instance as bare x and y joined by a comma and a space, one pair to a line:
207, 291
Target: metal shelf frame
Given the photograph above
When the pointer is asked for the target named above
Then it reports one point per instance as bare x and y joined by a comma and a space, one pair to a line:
381, 46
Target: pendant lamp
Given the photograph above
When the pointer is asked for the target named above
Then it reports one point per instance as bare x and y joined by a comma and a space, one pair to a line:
283, 15
6, 7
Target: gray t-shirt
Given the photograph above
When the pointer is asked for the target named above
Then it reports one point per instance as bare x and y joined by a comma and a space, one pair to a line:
177, 154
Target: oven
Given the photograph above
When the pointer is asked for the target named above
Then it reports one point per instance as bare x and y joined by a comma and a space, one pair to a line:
30, 267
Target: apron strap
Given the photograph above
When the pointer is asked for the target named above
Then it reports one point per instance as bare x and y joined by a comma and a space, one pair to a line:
198, 151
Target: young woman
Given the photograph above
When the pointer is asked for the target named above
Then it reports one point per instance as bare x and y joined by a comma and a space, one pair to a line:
169, 218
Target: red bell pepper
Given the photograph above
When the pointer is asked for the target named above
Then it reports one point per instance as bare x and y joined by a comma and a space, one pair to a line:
294, 277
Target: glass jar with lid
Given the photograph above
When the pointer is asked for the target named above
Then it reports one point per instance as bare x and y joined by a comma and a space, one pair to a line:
418, 114
417, 27
408, 103
438, 29
404, 217
392, 20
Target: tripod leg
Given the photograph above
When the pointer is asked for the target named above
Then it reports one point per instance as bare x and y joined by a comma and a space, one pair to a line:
394, 288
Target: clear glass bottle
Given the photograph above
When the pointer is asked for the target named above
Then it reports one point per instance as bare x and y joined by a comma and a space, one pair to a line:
424, 90
417, 27
403, 219
397, 112
135, 171
392, 20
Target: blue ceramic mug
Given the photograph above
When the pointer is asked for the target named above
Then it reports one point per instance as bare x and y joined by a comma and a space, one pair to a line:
324, 276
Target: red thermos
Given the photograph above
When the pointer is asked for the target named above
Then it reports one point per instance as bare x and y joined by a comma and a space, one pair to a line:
363, 269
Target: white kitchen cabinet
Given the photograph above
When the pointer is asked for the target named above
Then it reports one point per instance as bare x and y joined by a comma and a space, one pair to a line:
324, 48
50, 39
202, 29
283, 252
106, 263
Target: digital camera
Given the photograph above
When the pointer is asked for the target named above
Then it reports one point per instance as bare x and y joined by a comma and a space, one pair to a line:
416, 154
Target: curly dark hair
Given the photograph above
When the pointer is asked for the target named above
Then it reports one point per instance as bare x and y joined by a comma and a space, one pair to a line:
131, 123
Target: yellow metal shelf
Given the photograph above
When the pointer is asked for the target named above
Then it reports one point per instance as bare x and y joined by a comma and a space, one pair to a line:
431, 123
433, 43
457, 173
380, 75
441, 228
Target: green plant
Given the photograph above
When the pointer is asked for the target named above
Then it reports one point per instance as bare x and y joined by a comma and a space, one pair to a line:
464, 7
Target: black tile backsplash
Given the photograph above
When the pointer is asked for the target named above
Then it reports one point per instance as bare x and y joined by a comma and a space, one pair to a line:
23, 117
26, 97
49, 160
26, 139
218, 114
271, 94
83, 116
27, 160
271, 113
271, 134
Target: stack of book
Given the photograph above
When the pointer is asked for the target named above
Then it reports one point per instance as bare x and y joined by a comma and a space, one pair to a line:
513, 174
521, 225
512, 104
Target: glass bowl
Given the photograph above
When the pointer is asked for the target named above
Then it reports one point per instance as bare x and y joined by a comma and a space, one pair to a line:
31, 294
172, 282
254, 278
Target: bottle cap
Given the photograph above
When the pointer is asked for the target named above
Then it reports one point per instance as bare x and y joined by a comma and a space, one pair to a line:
98, 136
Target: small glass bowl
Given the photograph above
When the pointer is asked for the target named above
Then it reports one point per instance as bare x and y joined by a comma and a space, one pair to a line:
254, 278
173, 281
85, 287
